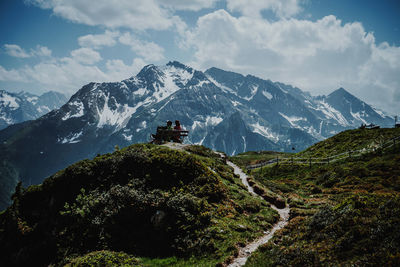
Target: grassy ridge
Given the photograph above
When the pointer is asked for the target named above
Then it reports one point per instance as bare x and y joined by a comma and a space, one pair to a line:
346, 213
143, 204
351, 140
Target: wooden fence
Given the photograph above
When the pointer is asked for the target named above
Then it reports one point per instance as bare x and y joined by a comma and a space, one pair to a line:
327, 160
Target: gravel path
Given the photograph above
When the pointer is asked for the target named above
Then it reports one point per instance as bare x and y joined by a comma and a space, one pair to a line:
245, 252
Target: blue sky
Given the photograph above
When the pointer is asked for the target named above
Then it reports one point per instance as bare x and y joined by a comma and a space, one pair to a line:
317, 45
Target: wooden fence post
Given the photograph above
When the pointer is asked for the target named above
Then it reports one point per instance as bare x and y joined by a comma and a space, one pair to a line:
310, 162
277, 160
292, 161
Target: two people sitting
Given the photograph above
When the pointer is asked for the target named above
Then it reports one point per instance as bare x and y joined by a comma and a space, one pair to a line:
168, 133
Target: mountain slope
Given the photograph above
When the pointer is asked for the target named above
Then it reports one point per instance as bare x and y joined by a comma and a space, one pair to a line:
16, 108
222, 110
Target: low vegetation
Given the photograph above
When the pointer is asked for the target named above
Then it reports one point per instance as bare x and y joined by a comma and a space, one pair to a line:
346, 213
142, 205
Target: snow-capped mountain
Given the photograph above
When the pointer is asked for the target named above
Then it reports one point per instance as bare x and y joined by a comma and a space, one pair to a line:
19, 107
223, 110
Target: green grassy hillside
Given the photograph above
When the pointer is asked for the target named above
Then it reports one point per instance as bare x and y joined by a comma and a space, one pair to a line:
351, 140
143, 205
342, 214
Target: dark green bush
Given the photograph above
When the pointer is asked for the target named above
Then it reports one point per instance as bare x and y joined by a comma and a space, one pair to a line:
103, 258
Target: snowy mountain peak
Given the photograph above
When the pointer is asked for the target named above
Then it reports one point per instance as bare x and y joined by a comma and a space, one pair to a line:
179, 65
22, 106
149, 72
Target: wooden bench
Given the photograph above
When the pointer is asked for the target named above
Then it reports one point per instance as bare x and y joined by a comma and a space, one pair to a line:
165, 135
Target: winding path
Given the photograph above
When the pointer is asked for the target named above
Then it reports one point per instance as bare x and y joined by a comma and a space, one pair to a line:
245, 252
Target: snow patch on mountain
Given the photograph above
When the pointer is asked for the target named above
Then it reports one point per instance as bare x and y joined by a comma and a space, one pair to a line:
313, 132
9, 101
254, 89
293, 119
358, 116
140, 92
43, 109
127, 137
32, 99
280, 87
72, 138
267, 95
178, 74
95, 86
213, 120
264, 131
223, 87
169, 87
78, 110
7, 119
331, 113
142, 126
117, 117
235, 103
205, 121
201, 83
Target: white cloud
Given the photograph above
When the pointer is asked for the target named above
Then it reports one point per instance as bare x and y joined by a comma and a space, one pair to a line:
317, 56
98, 40
68, 74
86, 55
193, 5
253, 8
117, 70
63, 74
42, 51
16, 51
133, 14
150, 51
11, 75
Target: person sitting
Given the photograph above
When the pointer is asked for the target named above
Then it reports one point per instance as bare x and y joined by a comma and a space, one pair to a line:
177, 133
167, 134
164, 133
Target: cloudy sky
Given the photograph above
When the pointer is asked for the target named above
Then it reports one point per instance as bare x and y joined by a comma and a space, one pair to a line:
316, 45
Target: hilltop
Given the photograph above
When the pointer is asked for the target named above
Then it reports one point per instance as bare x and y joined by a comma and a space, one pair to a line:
346, 212
141, 205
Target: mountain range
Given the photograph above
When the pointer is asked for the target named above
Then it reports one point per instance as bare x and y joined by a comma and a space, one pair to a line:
23, 106
222, 110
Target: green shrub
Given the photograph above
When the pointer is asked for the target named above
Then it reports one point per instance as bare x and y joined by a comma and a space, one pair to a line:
103, 258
